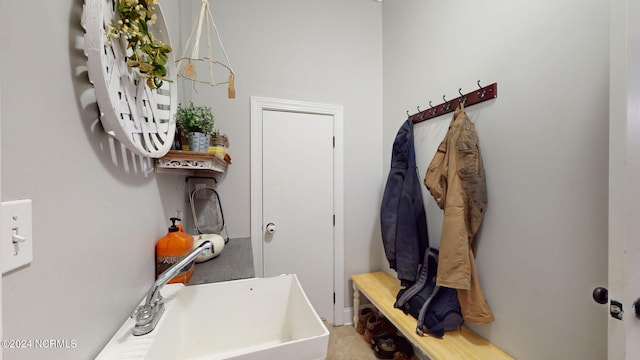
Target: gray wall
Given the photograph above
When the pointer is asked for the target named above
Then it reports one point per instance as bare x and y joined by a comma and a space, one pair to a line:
543, 245
96, 219
317, 51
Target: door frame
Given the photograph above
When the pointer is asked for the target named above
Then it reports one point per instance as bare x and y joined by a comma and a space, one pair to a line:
258, 105
1, 336
624, 176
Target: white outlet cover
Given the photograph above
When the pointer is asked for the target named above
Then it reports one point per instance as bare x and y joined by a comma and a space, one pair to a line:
16, 217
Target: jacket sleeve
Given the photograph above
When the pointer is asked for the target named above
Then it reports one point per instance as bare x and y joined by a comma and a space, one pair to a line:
436, 178
402, 215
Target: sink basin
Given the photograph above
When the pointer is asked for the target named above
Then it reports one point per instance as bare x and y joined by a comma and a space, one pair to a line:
259, 318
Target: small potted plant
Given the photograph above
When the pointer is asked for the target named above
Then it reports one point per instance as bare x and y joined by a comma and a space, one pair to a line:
198, 122
219, 139
218, 144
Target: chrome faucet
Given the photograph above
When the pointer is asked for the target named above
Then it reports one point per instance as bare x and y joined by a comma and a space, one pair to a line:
148, 314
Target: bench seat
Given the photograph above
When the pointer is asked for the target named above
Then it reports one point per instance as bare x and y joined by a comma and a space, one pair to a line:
381, 290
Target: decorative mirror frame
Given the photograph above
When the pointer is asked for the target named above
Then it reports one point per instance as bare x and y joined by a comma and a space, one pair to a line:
140, 118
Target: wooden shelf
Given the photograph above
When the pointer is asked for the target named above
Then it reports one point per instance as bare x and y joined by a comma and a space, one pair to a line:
189, 162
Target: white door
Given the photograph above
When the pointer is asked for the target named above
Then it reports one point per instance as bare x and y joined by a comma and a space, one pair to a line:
624, 179
297, 180
296, 198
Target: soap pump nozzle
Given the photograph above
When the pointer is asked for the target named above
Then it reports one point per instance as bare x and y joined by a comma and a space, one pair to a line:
174, 227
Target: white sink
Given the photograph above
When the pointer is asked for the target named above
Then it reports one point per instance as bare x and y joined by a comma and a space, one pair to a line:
260, 318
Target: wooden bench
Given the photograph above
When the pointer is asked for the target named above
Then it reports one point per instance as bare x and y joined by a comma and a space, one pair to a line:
381, 290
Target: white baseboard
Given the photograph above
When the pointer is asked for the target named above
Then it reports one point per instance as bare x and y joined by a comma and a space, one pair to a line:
347, 316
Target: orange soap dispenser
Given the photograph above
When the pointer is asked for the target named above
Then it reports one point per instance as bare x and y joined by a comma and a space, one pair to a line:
171, 249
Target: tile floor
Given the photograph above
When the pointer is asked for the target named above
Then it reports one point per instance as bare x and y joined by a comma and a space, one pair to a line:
346, 344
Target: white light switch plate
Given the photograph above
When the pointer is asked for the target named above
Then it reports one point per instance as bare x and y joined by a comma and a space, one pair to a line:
16, 234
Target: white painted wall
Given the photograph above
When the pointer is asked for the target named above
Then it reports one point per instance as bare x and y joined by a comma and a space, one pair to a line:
95, 219
543, 245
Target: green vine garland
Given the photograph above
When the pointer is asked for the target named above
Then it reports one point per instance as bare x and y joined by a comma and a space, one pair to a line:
144, 51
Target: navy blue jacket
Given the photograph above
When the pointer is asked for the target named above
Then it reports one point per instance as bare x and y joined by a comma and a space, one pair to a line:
402, 216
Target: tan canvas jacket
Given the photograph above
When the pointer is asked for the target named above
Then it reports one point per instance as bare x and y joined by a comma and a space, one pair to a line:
455, 177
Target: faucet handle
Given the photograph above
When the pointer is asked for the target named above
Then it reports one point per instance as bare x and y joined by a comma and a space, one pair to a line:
157, 300
137, 310
143, 315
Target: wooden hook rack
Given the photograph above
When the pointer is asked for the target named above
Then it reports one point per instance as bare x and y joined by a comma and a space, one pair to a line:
475, 97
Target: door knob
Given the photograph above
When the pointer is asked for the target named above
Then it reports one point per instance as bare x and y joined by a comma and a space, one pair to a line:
636, 308
601, 295
271, 228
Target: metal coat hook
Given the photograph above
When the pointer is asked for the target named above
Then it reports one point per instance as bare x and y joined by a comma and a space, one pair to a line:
483, 93
419, 113
446, 106
433, 110
463, 99
408, 116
